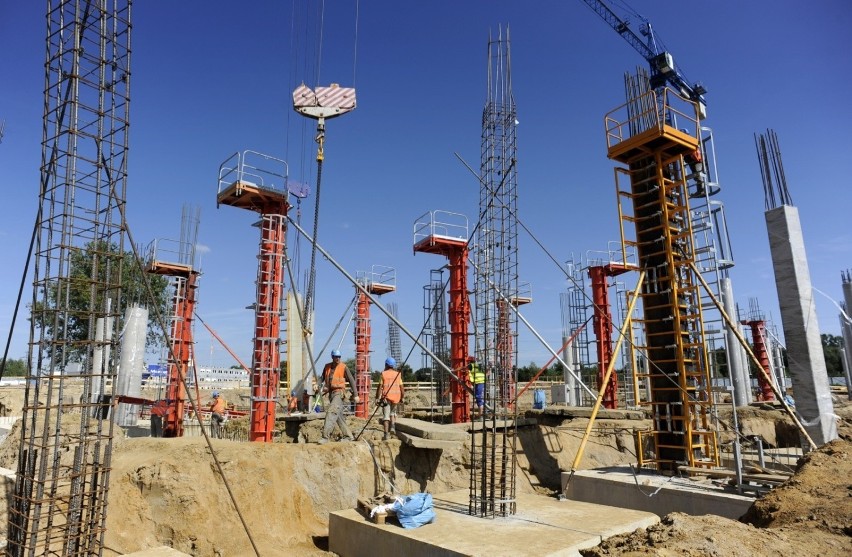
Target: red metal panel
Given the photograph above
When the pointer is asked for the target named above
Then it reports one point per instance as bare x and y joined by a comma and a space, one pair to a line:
266, 362
459, 313
362, 354
602, 327
181, 336
758, 335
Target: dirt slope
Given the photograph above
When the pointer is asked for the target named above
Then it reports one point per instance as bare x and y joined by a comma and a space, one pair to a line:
809, 515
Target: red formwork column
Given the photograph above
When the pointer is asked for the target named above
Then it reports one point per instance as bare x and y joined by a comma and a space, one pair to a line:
181, 338
602, 326
362, 354
266, 359
758, 335
459, 314
505, 350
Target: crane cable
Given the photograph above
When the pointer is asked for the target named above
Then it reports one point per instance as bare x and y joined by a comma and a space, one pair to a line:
309, 294
320, 139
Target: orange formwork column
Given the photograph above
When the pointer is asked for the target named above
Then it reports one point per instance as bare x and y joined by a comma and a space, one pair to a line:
459, 314
257, 182
362, 354
602, 326
181, 334
758, 335
266, 364
445, 233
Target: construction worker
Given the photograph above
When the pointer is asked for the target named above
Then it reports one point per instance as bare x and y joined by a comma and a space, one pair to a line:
159, 411
696, 167
335, 374
217, 413
389, 394
477, 379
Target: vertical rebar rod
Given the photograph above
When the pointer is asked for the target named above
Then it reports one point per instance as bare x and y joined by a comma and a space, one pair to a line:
496, 263
59, 502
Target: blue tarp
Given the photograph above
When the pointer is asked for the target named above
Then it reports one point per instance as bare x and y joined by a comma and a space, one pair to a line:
415, 510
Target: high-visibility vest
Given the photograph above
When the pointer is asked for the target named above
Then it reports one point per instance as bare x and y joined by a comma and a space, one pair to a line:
391, 388
218, 405
334, 378
476, 374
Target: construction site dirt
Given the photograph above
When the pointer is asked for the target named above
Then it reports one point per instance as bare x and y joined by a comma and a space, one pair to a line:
168, 492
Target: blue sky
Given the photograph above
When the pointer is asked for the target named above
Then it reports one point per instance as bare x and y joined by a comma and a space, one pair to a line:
211, 77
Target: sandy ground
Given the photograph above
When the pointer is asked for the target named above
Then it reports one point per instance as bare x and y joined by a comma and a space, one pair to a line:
170, 492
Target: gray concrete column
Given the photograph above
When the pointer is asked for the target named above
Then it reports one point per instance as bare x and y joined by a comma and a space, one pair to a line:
846, 353
846, 330
102, 353
778, 359
735, 353
801, 328
297, 357
128, 381
569, 356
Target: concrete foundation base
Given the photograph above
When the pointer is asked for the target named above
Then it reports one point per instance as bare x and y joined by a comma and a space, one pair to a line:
542, 526
660, 495
158, 552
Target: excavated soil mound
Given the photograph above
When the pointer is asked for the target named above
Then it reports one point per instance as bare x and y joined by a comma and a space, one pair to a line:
817, 497
810, 514
681, 535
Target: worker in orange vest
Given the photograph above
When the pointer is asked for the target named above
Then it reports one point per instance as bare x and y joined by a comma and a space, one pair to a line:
335, 375
159, 411
389, 393
217, 412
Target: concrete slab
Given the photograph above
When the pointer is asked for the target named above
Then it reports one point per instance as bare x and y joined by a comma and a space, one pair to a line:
585, 412
420, 443
543, 526
429, 430
655, 493
499, 424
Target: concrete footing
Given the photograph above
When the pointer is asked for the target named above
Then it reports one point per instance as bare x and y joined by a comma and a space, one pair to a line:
163, 551
542, 526
654, 493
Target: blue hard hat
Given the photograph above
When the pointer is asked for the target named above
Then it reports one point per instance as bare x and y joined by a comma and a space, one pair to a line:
215, 393
335, 353
390, 362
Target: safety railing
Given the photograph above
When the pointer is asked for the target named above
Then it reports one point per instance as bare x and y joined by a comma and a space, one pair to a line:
380, 276
443, 224
254, 168
165, 250
654, 109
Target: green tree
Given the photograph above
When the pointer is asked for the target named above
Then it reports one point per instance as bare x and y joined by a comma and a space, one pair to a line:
14, 368
407, 372
423, 374
719, 357
68, 304
831, 347
527, 372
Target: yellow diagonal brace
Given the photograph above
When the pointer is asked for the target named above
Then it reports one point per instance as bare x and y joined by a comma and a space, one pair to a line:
778, 394
622, 334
